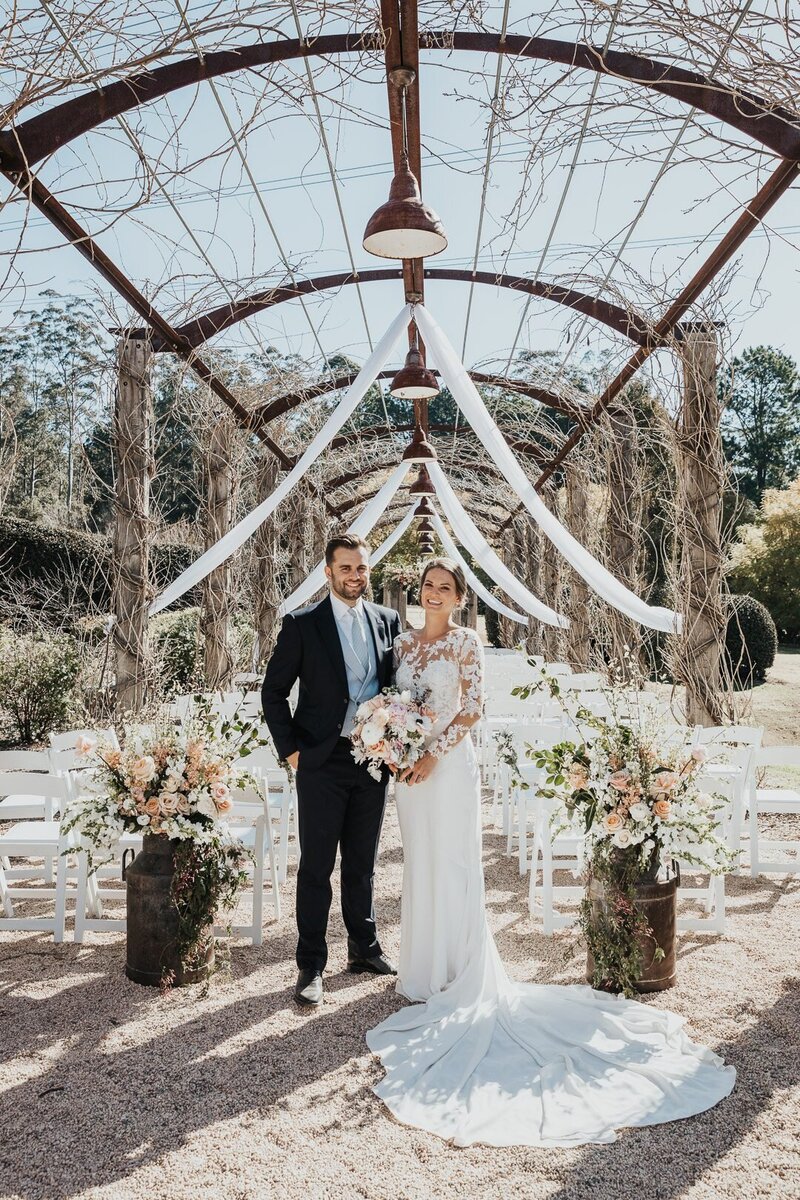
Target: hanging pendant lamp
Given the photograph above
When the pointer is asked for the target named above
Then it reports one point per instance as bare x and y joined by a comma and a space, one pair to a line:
424, 508
425, 526
404, 227
419, 449
414, 381
423, 485
426, 544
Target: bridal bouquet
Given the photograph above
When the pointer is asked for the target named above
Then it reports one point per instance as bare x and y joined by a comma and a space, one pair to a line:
390, 731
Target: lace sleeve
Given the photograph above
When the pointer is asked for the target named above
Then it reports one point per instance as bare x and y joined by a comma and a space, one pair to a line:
470, 661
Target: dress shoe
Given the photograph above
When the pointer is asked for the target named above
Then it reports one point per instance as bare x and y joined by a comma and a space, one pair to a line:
308, 989
377, 965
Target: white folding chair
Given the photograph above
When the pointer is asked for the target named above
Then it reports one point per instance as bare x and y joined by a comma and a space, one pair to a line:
725, 778
717, 739
33, 840
94, 887
280, 792
553, 853
14, 807
64, 755
778, 801
250, 822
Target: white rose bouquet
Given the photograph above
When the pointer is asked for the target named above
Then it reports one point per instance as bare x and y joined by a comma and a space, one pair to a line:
390, 731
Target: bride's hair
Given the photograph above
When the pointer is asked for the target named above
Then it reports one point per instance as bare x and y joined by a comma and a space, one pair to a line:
452, 568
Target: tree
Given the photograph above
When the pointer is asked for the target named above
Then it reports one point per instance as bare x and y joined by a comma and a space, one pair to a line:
761, 420
765, 562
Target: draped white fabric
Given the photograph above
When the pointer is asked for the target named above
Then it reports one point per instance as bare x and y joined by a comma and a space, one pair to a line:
394, 537
469, 401
451, 549
237, 536
473, 540
363, 524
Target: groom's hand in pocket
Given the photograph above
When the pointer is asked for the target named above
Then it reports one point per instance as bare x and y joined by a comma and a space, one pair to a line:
293, 759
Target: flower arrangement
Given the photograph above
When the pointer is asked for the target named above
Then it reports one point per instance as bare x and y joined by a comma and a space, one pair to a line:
639, 806
176, 783
390, 731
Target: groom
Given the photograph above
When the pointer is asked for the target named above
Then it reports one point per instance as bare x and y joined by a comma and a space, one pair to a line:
341, 652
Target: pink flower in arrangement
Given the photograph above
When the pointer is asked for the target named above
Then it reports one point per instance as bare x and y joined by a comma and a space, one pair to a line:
152, 806
83, 745
184, 807
620, 780
662, 808
612, 822
699, 754
219, 792
577, 775
664, 781
225, 804
143, 768
113, 758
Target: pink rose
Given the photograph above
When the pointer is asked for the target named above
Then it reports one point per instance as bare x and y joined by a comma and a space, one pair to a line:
662, 808
83, 745
664, 781
612, 822
620, 780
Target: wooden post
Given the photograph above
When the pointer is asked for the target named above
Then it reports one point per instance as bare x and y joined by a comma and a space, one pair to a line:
624, 524
701, 480
135, 467
220, 488
533, 559
577, 637
266, 563
550, 575
470, 612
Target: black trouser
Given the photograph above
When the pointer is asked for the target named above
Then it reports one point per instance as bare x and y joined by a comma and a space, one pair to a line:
339, 806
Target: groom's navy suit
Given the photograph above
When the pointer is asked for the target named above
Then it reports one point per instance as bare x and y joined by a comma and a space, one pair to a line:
340, 806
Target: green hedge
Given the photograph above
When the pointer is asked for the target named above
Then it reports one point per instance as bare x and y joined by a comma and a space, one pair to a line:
751, 640
65, 566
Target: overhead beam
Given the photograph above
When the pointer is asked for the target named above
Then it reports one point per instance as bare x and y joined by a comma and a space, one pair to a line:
621, 320
771, 125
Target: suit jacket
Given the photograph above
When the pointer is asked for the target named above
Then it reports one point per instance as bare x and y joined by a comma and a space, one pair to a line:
308, 649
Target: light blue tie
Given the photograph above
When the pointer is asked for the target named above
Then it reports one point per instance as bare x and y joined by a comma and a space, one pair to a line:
358, 644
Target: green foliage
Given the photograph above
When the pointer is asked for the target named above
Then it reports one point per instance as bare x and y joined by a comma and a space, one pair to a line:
208, 877
761, 421
765, 562
63, 568
38, 674
751, 640
176, 648
492, 618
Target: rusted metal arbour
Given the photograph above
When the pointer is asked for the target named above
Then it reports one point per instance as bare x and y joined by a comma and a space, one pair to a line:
772, 126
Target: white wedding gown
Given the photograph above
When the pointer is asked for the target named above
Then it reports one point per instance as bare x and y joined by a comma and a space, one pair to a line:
481, 1058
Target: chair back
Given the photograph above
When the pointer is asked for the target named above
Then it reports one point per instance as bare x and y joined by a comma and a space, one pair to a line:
778, 756
24, 760
730, 735
64, 754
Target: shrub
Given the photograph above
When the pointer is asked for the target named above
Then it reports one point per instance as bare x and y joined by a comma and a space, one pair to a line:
176, 649
765, 563
38, 673
751, 641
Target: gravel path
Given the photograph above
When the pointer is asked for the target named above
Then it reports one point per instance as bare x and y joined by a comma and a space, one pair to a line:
111, 1090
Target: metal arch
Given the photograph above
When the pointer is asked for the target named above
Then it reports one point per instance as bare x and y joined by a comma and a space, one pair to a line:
528, 449
772, 126
280, 405
198, 331
480, 500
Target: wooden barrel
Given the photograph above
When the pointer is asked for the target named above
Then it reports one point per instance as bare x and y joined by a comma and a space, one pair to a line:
658, 902
152, 920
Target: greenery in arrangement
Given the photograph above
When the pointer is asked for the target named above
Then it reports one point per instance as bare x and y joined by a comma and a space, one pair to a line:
178, 784
765, 559
637, 805
751, 641
38, 676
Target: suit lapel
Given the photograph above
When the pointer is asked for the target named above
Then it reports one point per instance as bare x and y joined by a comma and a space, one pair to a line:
326, 622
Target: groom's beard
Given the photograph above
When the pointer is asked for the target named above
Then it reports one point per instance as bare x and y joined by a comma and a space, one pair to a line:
350, 590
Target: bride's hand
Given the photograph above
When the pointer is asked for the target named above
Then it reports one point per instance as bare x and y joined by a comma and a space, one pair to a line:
420, 770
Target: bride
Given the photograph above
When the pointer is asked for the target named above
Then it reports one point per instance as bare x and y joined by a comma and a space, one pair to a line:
477, 1057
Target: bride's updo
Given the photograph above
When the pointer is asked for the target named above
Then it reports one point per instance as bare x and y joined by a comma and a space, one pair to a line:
452, 568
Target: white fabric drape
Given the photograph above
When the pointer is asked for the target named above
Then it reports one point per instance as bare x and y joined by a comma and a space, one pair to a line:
237, 536
473, 540
451, 549
469, 401
394, 537
363, 524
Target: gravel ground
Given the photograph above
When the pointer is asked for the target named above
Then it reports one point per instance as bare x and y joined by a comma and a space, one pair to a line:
111, 1090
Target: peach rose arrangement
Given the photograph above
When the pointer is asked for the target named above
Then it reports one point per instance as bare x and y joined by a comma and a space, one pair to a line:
390, 731
626, 794
180, 784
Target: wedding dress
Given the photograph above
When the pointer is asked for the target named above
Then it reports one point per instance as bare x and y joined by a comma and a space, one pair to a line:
481, 1058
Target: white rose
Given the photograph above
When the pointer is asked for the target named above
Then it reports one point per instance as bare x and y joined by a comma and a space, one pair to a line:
623, 838
405, 697
639, 811
207, 807
704, 800
371, 734
380, 718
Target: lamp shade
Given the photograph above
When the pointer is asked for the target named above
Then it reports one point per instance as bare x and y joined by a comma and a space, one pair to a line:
414, 381
404, 227
425, 526
423, 485
424, 508
419, 449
